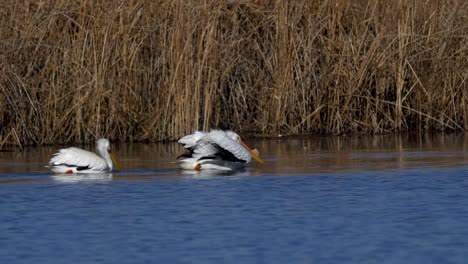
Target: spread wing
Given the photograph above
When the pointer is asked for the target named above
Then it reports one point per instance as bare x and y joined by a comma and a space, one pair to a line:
190, 141
218, 145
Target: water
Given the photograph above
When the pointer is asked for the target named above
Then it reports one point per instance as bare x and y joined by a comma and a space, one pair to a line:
384, 199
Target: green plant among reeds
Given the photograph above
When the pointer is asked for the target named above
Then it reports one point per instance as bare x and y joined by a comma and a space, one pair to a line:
146, 70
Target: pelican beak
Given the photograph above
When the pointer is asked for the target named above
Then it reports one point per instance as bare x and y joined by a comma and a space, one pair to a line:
114, 159
254, 153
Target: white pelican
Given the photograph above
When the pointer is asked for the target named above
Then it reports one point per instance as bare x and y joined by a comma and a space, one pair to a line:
215, 150
75, 160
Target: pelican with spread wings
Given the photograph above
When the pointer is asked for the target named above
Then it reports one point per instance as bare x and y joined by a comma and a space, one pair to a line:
75, 160
215, 150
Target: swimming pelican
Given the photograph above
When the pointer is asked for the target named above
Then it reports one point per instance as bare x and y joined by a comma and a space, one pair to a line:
75, 160
215, 150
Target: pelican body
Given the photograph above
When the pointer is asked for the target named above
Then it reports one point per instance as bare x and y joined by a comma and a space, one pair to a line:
215, 150
75, 160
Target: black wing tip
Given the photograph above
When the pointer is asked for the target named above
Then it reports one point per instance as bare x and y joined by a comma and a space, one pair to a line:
223, 154
209, 157
185, 155
78, 168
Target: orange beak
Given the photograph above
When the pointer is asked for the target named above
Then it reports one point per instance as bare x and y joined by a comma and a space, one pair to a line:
254, 154
114, 159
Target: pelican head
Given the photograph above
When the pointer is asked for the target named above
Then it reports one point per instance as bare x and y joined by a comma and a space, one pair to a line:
103, 147
253, 153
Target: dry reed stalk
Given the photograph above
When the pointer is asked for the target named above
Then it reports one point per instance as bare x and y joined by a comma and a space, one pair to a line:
155, 70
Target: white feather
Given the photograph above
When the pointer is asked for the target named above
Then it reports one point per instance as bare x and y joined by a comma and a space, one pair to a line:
206, 145
228, 141
191, 140
69, 159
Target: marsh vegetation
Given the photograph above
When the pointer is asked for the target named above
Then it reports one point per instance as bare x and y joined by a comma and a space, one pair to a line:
148, 70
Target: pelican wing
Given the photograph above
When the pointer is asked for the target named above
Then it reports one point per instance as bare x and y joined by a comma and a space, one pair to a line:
217, 153
195, 146
75, 157
204, 148
190, 141
218, 144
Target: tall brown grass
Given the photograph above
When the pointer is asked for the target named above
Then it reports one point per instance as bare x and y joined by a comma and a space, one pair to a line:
149, 70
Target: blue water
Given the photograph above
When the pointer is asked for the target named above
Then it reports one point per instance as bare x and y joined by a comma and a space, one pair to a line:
400, 215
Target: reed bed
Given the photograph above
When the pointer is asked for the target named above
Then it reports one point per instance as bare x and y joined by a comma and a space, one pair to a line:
146, 70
